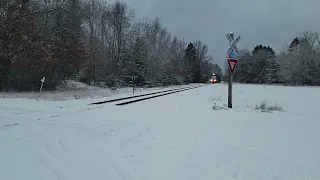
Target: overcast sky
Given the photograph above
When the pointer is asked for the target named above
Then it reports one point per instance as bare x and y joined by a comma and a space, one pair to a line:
267, 22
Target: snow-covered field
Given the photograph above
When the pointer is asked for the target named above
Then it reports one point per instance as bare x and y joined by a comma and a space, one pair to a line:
187, 135
76, 90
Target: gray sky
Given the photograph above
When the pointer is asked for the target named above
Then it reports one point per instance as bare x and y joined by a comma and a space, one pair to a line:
267, 22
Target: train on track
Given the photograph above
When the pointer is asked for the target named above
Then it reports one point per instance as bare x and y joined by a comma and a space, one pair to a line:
214, 78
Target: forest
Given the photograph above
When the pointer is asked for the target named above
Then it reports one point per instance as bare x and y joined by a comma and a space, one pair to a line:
93, 42
104, 44
298, 63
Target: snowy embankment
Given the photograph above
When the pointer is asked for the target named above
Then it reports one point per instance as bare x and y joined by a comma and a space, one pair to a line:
76, 90
188, 135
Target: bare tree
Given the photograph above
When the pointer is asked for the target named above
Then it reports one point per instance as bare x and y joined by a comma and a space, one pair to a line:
90, 41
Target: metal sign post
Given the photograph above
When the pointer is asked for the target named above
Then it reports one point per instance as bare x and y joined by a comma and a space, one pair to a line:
231, 56
133, 77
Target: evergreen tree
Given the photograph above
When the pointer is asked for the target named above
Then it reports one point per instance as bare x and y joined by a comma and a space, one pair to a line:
138, 63
69, 51
192, 64
271, 71
294, 44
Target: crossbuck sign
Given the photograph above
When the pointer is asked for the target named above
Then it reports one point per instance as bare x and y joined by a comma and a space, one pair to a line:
233, 43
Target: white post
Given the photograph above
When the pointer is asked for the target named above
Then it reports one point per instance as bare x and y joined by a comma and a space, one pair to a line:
42, 81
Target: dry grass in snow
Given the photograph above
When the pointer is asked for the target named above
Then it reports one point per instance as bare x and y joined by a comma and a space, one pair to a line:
67, 91
265, 106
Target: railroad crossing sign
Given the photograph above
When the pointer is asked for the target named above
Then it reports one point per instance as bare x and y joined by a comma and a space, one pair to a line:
42, 80
232, 51
232, 63
232, 47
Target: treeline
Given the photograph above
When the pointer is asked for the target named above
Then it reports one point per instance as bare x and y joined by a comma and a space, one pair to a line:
297, 64
93, 42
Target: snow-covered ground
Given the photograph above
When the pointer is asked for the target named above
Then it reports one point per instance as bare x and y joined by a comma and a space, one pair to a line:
187, 135
71, 90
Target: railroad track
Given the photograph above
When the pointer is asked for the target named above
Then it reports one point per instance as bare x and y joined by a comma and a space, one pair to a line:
147, 96
134, 100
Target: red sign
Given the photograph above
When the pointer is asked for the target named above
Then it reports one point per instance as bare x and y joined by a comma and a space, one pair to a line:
232, 63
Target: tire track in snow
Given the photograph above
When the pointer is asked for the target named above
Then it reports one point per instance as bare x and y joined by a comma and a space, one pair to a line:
70, 113
124, 169
62, 145
3, 143
53, 171
26, 136
142, 132
9, 126
49, 150
51, 163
